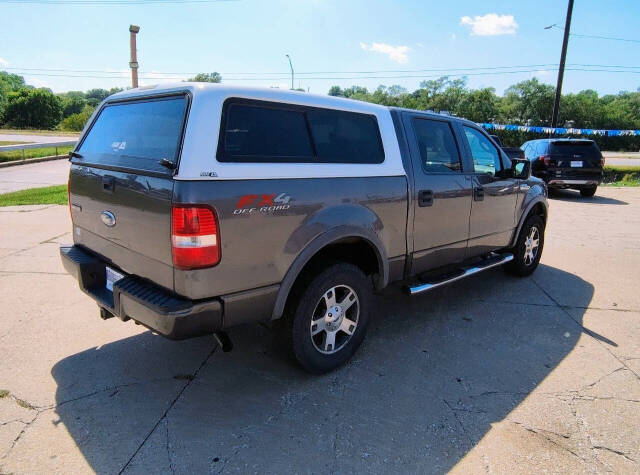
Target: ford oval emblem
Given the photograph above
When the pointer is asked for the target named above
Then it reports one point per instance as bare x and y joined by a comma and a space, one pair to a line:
108, 218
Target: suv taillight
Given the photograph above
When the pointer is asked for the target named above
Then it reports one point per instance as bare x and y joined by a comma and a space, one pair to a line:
194, 237
545, 158
602, 160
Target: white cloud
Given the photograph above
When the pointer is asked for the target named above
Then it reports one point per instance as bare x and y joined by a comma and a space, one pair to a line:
4, 62
395, 53
542, 72
490, 24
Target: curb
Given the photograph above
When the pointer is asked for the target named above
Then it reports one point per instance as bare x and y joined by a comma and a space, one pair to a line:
32, 160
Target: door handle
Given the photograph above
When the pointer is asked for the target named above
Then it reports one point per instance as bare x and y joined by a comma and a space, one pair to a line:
425, 198
478, 193
108, 183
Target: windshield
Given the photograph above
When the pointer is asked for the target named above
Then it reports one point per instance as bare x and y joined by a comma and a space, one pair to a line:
137, 134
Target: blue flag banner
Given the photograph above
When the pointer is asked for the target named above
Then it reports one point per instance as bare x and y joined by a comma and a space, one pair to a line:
561, 130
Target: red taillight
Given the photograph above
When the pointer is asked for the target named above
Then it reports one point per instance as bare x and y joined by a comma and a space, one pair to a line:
194, 237
602, 160
545, 158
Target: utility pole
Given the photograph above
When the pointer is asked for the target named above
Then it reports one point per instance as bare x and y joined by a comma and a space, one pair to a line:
133, 63
291, 66
563, 56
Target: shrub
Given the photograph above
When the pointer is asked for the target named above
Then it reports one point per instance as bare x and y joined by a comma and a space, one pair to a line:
33, 108
76, 122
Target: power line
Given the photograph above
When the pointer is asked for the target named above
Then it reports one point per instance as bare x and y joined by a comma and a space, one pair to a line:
336, 78
283, 73
598, 37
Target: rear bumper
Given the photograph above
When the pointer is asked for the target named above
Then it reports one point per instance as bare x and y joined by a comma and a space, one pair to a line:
569, 178
142, 301
556, 182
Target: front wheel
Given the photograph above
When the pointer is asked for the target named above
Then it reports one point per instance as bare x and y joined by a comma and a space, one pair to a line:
528, 248
329, 319
588, 192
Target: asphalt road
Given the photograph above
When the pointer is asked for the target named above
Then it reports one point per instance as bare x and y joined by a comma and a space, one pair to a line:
34, 175
491, 374
36, 138
628, 159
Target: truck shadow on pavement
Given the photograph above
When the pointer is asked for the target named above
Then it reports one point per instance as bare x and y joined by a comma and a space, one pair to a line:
574, 196
434, 373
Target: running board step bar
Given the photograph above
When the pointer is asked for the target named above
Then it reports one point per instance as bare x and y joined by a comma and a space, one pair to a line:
494, 261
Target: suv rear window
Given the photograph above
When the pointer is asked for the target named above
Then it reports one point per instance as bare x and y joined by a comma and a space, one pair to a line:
264, 132
583, 148
136, 134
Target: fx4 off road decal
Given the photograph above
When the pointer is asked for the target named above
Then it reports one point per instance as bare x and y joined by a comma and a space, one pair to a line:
262, 203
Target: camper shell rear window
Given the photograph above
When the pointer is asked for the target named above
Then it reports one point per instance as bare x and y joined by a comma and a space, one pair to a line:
137, 134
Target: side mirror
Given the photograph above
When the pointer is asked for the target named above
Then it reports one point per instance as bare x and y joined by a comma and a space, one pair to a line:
520, 168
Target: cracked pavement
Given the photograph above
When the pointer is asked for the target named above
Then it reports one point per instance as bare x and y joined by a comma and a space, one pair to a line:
491, 374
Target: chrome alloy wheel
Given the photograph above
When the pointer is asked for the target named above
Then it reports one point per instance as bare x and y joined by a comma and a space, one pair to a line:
335, 319
531, 244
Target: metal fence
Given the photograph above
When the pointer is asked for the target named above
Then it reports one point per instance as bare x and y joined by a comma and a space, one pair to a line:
23, 147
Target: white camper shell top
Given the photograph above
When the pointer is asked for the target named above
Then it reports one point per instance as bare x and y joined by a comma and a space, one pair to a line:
198, 158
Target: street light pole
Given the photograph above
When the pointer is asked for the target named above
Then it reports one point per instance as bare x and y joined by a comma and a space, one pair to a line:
563, 56
291, 66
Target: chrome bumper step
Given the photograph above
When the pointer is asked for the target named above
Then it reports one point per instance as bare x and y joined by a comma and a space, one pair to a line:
494, 260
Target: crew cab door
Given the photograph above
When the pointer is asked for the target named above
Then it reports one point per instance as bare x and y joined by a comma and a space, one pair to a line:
495, 194
441, 194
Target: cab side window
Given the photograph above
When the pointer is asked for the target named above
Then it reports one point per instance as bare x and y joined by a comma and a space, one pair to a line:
437, 145
486, 158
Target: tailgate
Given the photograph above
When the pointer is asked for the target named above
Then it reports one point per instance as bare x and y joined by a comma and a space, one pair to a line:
582, 155
120, 187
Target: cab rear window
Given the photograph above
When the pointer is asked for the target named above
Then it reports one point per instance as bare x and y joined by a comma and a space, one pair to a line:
137, 135
265, 132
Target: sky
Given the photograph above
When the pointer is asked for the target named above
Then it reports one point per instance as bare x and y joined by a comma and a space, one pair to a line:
54, 43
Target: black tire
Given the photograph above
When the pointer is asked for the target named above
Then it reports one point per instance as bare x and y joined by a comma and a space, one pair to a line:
522, 265
309, 301
588, 192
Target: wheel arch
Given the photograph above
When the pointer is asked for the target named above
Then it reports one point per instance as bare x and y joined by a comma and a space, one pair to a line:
342, 235
538, 206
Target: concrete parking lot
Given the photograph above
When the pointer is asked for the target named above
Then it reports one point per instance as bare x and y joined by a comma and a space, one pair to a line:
489, 374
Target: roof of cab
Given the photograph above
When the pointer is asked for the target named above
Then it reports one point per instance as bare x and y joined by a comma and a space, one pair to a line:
200, 89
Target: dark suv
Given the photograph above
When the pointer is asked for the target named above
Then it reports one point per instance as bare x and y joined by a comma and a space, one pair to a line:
566, 163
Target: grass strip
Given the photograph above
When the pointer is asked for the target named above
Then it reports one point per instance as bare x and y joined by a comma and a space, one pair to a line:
34, 153
36, 196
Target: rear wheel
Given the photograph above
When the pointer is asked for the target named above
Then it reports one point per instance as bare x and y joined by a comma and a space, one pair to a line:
528, 248
328, 320
588, 192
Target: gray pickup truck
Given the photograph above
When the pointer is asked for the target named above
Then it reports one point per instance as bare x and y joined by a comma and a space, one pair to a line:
198, 207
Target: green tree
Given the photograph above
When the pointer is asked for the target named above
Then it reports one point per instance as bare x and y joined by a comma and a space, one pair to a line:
96, 96
528, 102
207, 77
480, 105
8, 83
72, 102
33, 108
76, 122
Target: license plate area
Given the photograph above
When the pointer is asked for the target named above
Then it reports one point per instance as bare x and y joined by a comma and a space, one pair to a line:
112, 276
576, 163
